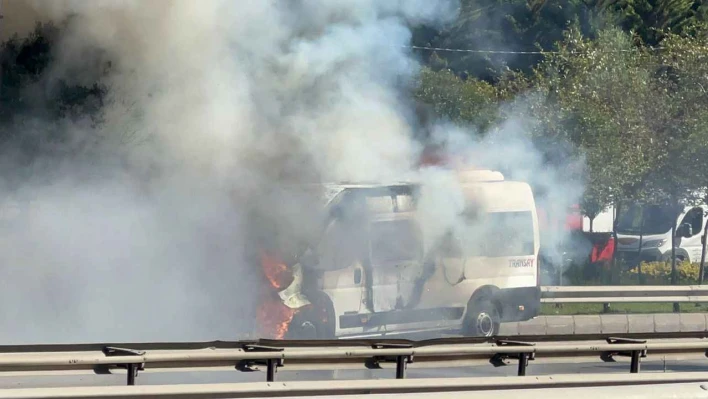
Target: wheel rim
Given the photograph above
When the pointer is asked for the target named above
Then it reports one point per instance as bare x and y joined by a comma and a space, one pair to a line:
485, 324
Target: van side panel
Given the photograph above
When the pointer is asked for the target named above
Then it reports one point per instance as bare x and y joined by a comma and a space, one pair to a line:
504, 260
397, 289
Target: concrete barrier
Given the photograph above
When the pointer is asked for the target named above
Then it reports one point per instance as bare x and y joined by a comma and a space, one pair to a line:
640, 323
609, 324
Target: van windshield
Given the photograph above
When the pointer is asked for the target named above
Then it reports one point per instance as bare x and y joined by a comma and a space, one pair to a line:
647, 219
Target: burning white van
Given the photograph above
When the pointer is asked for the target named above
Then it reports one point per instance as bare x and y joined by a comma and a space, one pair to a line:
371, 274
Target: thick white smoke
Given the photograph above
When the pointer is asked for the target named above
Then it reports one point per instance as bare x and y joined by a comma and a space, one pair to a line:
218, 84
217, 111
508, 148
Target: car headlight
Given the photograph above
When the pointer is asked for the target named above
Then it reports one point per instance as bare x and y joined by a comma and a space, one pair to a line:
653, 243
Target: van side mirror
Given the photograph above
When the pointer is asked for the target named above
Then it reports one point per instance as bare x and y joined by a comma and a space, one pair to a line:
685, 231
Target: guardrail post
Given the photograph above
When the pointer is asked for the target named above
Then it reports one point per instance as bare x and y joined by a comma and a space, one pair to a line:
272, 363
401, 360
131, 368
132, 373
523, 362
634, 367
522, 356
635, 355
401, 367
270, 370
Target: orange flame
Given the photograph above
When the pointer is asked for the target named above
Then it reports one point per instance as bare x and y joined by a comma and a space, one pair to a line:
274, 318
276, 272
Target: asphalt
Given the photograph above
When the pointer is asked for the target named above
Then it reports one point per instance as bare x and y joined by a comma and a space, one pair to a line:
231, 376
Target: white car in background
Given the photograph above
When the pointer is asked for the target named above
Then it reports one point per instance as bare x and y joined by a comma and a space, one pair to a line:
652, 225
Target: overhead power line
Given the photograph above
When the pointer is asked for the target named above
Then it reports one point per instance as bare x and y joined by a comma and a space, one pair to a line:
458, 50
537, 52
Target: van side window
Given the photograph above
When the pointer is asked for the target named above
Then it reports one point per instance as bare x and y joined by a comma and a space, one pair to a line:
495, 234
694, 217
343, 244
345, 240
509, 234
395, 241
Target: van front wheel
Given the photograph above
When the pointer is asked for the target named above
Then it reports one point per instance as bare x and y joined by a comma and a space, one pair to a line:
482, 319
311, 323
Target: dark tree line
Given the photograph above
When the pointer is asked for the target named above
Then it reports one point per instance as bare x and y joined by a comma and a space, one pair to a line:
37, 105
622, 83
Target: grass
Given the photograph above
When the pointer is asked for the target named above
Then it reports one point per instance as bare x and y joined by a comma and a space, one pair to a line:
549, 309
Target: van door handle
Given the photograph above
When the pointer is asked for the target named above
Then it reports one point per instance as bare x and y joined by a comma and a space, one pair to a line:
357, 276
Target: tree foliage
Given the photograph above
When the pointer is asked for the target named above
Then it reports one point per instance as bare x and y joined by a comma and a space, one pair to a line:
469, 102
522, 26
637, 115
502, 25
36, 103
653, 20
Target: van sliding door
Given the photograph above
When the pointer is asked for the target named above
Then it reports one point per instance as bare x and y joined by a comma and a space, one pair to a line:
395, 253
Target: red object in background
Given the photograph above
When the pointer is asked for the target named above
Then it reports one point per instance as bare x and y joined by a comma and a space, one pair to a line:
571, 220
438, 156
544, 221
433, 157
574, 219
602, 251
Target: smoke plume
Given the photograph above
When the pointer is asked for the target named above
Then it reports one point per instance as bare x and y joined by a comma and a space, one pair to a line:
216, 112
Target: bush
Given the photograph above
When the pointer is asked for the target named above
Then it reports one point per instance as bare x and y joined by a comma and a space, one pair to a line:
659, 273
653, 273
587, 273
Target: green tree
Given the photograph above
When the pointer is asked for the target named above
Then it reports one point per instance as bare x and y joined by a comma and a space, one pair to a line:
507, 26
37, 106
528, 25
653, 20
471, 102
597, 93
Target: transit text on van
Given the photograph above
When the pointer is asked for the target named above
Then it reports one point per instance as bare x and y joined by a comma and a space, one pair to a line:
521, 262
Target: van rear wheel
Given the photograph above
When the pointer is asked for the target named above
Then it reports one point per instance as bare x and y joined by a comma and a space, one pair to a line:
482, 319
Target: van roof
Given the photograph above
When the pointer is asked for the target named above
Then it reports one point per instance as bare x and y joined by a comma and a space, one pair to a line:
331, 190
479, 175
466, 177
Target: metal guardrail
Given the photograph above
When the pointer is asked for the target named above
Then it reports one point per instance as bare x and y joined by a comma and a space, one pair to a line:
310, 355
618, 294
